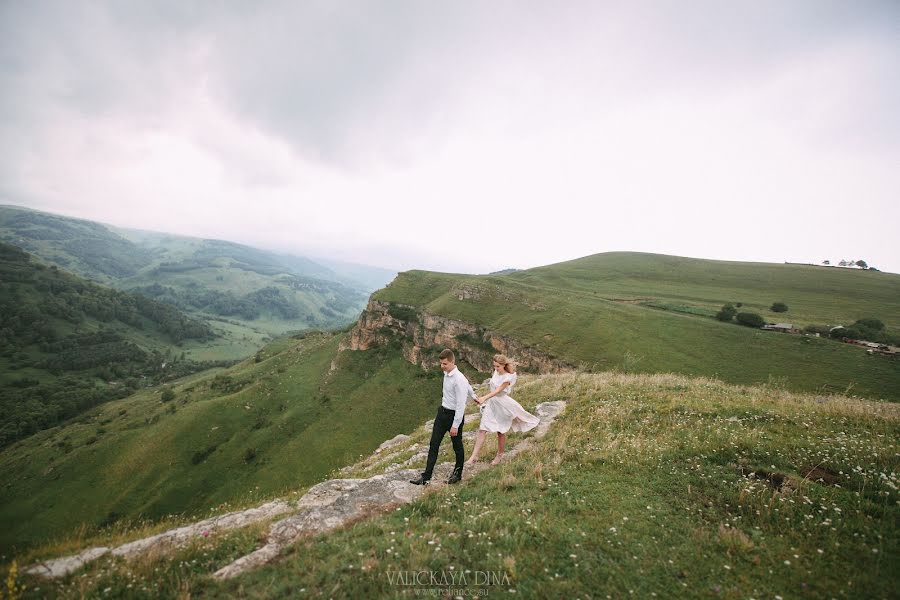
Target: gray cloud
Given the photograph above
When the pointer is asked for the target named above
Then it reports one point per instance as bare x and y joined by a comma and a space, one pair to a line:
163, 113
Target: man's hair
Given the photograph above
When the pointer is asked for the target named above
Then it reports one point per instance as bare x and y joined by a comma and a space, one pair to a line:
447, 353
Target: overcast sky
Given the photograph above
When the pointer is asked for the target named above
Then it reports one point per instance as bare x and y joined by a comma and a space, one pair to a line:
464, 136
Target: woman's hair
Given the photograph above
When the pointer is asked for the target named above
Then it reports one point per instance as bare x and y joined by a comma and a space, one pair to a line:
508, 365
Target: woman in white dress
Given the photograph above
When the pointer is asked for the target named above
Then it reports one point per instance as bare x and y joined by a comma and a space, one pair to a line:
499, 412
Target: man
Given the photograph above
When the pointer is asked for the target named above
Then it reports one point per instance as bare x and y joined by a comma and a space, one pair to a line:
450, 417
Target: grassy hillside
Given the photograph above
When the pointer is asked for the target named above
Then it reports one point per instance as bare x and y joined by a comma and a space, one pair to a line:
276, 422
67, 344
653, 313
249, 295
646, 486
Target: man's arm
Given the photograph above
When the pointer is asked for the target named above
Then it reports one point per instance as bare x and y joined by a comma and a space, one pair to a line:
460, 393
470, 393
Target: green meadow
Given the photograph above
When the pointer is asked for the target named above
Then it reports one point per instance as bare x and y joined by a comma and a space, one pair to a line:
594, 313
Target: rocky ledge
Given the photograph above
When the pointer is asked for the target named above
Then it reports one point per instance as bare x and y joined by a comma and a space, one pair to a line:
421, 336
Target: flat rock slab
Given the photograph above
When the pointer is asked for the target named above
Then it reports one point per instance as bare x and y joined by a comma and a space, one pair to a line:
63, 566
397, 439
60, 567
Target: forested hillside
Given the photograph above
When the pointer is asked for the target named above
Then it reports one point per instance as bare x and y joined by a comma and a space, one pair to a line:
67, 344
249, 295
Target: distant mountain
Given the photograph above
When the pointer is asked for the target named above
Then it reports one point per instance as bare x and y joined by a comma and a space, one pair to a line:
67, 344
249, 295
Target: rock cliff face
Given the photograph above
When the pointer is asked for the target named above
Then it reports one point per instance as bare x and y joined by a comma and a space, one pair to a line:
421, 336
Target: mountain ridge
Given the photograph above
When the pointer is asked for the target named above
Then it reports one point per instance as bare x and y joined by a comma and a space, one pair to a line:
249, 295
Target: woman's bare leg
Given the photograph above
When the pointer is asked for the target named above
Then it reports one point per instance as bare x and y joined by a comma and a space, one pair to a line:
479, 440
501, 444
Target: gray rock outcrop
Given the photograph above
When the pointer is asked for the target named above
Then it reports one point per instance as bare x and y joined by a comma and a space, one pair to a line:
419, 336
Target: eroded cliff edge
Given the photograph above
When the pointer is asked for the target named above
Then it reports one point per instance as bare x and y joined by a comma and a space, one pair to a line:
421, 336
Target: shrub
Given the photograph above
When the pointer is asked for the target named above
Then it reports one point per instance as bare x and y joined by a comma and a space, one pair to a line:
403, 313
871, 330
750, 319
167, 395
727, 313
870, 323
779, 307
249, 454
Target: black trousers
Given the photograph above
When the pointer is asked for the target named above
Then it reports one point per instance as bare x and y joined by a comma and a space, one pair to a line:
443, 421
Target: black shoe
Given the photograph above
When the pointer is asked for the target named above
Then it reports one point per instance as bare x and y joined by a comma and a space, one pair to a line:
420, 481
454, 477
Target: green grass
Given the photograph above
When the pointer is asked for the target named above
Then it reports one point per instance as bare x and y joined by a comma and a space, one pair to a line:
133, 460
588, 313
641, 488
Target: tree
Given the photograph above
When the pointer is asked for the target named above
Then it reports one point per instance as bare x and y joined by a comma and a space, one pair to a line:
750, 319
826, 262
727, 313
779, 307
862, 263
871, 323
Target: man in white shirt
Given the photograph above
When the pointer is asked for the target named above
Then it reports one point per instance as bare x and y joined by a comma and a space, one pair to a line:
450, 417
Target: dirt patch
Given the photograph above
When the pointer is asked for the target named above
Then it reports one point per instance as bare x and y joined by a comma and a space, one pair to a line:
780, 482
821, 474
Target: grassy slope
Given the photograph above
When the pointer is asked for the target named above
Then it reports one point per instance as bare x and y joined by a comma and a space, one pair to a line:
639, 488
571, 311
301, 420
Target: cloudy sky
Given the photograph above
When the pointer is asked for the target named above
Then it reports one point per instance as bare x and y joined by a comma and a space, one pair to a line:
464, 136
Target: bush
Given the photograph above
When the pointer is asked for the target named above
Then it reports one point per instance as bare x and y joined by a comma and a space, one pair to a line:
249, 454
727, 313
870, 323
167, 395
750, 319
403, 313
779, 307
871, 330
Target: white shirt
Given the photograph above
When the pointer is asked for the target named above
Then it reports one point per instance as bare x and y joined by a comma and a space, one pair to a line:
456, 391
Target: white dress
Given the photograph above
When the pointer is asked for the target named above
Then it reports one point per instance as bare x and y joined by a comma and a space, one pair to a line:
501, 413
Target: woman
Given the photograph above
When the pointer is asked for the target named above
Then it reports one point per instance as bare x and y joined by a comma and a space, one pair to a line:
501, 413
